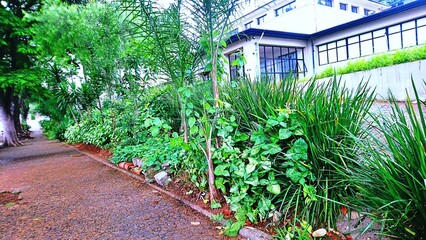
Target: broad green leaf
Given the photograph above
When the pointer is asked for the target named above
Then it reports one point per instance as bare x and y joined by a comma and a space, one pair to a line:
154, 130
239, 137
191, 122
250, 168
222, 170
272, 149
193, 130
294, 175
285, 133
274, 188
157, 122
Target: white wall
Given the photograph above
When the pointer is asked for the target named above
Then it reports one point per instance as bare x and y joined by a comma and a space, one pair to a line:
396, 79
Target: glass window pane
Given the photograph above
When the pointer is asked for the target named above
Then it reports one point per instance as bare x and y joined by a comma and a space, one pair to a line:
353, 39
332, 56
322, 48
323, 58
394, 41
366, 48
341, 54
409, 38
380, 45
421, 35
421, 22
353, 50
408, 25
331, 45
365, 36
341, 43
394, 29
379, 33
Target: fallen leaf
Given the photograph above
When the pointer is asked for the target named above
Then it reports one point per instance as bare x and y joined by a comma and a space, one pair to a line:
195, 223
343, 210
227, 212
349, 237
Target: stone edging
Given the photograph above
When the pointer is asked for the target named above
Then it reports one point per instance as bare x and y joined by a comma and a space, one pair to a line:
249, 233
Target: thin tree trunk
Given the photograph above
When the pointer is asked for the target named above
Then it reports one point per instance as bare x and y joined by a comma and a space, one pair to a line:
214, 193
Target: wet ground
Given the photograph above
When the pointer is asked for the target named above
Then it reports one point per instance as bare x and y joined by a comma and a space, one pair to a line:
66, 195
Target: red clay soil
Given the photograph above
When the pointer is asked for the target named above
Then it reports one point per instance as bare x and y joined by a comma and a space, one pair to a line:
67, 195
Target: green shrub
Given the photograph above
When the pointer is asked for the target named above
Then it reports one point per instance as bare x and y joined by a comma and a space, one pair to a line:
55, 130
390, 170
329, 113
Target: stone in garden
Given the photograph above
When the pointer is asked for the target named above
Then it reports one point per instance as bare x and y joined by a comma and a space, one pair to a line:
16, 191
253, 234
149, 175
137, 162
162, 178
355, 215
20, 196
165, 166
319, 233
276, 217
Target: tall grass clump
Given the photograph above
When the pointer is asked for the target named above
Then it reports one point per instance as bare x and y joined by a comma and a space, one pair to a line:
329, 113
256, 100
390, 171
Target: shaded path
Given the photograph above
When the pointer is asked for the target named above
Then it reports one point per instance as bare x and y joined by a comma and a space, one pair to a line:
67, 195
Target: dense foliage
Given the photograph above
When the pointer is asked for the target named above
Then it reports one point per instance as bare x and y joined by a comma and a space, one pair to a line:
146, 83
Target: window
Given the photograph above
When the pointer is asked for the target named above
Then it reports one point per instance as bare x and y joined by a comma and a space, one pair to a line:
343, 6
354, 9
368, 12
278, 63
261, 19
248, 25
286, 8
235, 70
328, 3
402, 35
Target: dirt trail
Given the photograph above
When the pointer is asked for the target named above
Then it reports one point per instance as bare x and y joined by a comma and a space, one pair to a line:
67, 195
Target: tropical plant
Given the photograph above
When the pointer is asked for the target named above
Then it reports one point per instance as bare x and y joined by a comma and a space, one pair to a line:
390, 170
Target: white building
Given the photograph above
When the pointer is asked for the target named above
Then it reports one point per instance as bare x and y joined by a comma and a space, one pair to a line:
304, 37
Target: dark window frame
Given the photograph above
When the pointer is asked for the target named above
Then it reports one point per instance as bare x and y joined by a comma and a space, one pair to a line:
327, 3
286, 8
235, 70
343, 6
272, 66
248, 25
354, 9
261, 19
368, 12
399, 31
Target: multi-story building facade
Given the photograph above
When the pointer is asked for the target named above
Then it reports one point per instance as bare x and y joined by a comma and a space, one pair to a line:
304, 37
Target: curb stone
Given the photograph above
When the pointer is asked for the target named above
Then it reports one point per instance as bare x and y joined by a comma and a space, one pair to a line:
249, 233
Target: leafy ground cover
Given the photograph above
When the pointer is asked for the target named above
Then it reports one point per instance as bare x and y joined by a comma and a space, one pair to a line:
301, 158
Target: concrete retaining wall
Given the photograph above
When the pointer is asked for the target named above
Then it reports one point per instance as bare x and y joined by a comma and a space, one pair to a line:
396, 79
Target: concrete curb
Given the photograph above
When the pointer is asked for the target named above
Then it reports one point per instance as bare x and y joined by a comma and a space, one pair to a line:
249, 233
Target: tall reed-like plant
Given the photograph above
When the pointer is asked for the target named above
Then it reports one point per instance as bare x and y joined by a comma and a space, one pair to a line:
254, 100
330, 113
390, 171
